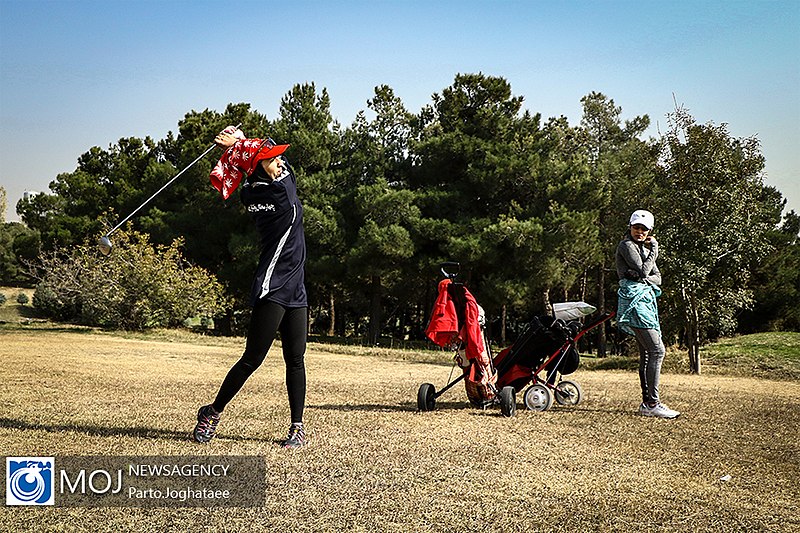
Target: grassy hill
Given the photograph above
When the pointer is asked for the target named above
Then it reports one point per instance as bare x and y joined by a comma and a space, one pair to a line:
774, 355
12, 311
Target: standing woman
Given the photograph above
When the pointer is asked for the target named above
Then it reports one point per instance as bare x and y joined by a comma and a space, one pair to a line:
278, 294
637, 311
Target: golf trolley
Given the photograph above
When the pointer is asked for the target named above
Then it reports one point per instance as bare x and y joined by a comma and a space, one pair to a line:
548, 343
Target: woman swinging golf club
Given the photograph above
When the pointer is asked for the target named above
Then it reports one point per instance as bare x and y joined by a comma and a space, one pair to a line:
278, 294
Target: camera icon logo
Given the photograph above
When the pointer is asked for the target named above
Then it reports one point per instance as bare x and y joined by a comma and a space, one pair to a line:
29, 480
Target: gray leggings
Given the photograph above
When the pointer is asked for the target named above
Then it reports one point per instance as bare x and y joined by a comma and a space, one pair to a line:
651, 355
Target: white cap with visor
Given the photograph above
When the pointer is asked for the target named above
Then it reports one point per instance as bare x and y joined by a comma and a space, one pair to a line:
643, 217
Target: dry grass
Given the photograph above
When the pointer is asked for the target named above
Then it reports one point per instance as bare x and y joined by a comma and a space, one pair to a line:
375, 464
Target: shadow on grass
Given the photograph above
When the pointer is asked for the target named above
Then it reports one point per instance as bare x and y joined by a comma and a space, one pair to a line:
46, 326
408, 407
404, 407
574, 409
107, 431
27, 311
610, 363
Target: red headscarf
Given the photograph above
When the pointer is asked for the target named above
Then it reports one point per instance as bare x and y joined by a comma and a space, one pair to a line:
240, 160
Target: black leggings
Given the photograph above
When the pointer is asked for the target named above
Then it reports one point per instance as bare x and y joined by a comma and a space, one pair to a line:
267, 319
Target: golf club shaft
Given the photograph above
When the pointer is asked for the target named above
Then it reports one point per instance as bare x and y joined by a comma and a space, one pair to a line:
167, 184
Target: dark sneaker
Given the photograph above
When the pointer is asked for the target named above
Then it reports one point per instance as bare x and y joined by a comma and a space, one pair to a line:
207, 421
296, 438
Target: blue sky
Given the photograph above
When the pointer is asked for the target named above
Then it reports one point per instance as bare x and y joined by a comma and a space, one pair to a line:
77, 74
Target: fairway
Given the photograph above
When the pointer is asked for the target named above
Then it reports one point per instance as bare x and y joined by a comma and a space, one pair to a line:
375, 464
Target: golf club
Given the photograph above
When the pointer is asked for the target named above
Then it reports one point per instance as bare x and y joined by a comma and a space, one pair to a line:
104, 243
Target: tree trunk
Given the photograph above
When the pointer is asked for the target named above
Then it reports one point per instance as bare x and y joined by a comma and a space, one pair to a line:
692, 318
503, 315
375, 311
601, 305
694, 341
582, 295
332, 314
548, 308
223, 324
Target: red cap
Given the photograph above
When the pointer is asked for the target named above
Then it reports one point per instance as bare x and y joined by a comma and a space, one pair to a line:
267, 150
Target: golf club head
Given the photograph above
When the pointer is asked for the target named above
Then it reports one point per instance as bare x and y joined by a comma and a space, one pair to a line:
104, 245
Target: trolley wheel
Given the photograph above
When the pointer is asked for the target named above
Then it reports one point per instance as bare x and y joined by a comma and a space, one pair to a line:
568, 393
508, 401
538, 398
425, 397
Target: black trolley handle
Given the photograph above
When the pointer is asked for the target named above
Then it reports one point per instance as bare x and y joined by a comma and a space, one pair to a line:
450, 269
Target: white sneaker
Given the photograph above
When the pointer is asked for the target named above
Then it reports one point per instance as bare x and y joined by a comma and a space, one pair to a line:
659, 411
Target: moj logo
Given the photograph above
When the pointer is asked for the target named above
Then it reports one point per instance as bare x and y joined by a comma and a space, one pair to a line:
29, 480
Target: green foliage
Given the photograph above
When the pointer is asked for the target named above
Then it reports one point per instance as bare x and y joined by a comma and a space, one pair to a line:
776, 282
18, 245
378, 212
306, 123
472, 161
22, 298
532, 209
518, 196
715, 216
137, 286
2, 299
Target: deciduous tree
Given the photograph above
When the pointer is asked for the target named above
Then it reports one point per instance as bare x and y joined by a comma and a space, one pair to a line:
715, 219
